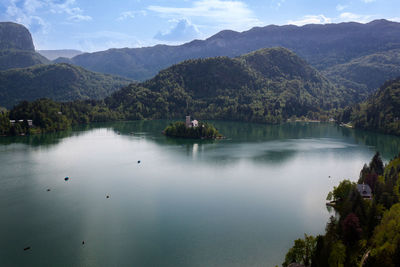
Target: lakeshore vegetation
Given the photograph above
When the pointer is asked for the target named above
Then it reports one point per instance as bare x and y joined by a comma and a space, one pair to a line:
365, 232
204, 130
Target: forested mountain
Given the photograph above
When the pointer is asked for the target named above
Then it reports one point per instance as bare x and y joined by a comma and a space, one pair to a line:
269, 85
16, 47
64, 53
323, 46
367, 73
380, 112
60, 82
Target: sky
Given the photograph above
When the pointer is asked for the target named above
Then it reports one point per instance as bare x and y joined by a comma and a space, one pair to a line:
99, 25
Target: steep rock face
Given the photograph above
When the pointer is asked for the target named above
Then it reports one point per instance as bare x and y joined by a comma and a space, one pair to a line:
16, 47
15, 36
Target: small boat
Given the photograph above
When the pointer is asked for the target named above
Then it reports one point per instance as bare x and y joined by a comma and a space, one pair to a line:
48, 190
27, 248
107, 196
138, 161
66, 178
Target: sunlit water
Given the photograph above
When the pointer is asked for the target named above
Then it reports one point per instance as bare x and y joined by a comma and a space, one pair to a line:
234, 202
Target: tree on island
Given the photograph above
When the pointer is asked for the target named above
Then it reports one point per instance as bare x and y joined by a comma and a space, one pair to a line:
204, 130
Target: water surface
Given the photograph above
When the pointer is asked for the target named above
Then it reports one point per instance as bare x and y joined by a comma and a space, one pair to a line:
234, 202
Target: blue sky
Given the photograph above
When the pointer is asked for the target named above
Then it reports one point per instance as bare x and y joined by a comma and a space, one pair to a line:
99, 25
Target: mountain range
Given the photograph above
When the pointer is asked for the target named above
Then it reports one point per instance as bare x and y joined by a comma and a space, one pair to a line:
341, 64
63, 53
27, 75
323, 46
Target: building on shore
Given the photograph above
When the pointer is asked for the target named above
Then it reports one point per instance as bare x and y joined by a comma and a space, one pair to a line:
365, 191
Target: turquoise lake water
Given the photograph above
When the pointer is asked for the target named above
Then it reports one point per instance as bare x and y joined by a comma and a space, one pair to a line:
240, 201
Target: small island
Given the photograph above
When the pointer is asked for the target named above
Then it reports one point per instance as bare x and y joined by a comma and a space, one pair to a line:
192, 129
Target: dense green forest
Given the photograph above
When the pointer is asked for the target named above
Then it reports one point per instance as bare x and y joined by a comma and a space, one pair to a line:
203, 131
364, 231
60, 82
367, 73
48, 115
10, 59
269, 85
380, 112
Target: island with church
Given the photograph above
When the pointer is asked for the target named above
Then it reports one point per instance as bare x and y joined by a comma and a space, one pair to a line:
192, 129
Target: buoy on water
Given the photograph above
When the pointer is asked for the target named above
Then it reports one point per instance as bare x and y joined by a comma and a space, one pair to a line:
48, 189
66, 178
138, 161
83, 242
108, 196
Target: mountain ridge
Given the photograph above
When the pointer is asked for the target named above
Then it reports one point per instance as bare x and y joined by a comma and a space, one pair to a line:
320, 45
243, 88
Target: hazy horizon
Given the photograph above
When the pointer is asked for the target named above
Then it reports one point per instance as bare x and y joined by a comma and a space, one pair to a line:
80, 25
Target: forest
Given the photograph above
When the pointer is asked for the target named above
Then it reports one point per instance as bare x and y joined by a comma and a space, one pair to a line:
204, 130
380, 112
365, 232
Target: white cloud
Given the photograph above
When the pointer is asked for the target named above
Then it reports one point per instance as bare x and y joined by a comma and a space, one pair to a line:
226, 14
131, 14
348, 16
311, 19
79, 17
28, 12
343, 17
183, 30
340, 7
368, 1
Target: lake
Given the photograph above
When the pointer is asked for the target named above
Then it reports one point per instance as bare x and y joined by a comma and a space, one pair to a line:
240, 201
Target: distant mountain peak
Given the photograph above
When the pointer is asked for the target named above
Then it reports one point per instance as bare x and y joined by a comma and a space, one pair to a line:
225, 34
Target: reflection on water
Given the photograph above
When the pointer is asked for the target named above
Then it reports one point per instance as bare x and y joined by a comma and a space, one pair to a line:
240, 201
294, 136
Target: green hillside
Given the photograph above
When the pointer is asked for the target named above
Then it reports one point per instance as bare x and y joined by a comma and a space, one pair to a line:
380, 112
269, 85
367, 73
10, 59
60, 82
